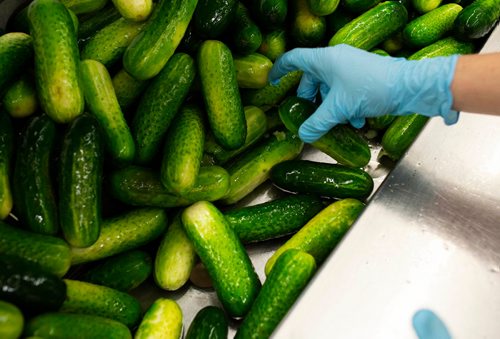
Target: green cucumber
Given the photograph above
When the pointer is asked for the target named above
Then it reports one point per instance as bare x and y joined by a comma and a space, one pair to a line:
52, 254
432, 26
394, 44
273, 120
175, 257
127, 89
444, 47
401, 133
273, 44
56, 60
122, 272
163, 319
15, 50
359, 6
62, 325
33, 189
337, 20
273, 219
101, 100
152, 48
372, 27
288, 278
424, 6
225, 258
328, 180
381, 122
30, 287
123, 233
92, 23
212, 184
253, 167
307, 29
270, 14
160, 103
477, 19
212, 17
136, 10
246, 35
323, 7
11, 321
84, 6
252, 70
20, 100
341, 143
322, 233
6, 154
209, 322
221, 95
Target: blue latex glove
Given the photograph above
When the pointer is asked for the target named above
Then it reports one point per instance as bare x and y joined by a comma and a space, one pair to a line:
355, 84
429, 326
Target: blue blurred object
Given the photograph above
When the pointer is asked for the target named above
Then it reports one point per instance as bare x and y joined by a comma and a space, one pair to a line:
428, 325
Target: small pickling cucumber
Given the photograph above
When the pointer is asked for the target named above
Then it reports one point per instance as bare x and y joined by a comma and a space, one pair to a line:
93, 22
443, 47
477, 19
269, 14
11, 321
424, 6
134, 10
84, 6
127, 89
15, 50
163, 319
359, 6
212, 17
209, 322
308, 30
394, 44
20, 99
381, 122
401, 133
6, 155
273, 44
322, 7
252, 70
246, 35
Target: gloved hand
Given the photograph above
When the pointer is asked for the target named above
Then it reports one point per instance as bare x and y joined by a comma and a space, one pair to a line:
355, 84
429, 326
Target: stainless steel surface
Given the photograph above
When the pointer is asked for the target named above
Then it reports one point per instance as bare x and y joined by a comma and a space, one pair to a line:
430, 238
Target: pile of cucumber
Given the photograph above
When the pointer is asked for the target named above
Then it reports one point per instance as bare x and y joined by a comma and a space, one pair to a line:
129, 130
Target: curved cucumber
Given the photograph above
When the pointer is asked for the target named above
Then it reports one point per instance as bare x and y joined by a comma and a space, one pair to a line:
209, 322
15, 50
6, 153
163, 319
212, 17
273, 44
246, 35
11, 321
323, 7
127, 89
477, 19
252, 70
135, 10
20, 99
307, 29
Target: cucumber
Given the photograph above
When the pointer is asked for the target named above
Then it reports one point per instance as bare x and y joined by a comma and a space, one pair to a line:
246, 35
256, 128
92, 23
109, 43
221, 95
6, 154
273, 120
127, 89
33, 190
183, 151
432, 26
328, 180
394, 44
212, 184
153, 47
273, 44
477, 19
84, 6
225, 258
424, 6
270, 14
253, 167
102, 301
160, 103
80, 182
307, 29
372, 27
289, 277
122, 272
11, 321
337, 20
175, 258
212, 17
136, 10
30, 287
273, 219
444, 47
323, 7
20, 99
381, 122
252, 70
401, 133
123, 233
163, 319
102, 103
341, 142
322, 233
359, 6
61, 325
56, 60
15, 51
209, 322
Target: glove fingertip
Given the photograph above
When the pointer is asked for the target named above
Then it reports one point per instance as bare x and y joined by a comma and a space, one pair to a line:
309, 134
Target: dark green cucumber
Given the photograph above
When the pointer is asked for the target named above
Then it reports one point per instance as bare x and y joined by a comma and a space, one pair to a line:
424, 6
270, 14
372, 27
212, 17
307, 29
50, 253
163, 319
225, 258
102, 103
191, 41
33, 189
477, 19
443, 47
323, 7
273, 120
289, 277
183, 151
84, 6
209, 322
381, 122
273, 44
102, 301
273, 219
432, 26
394, 44
92, 23
148, 53
341, 143
6, 154
252, 70
220, 92
56, 60
127, 89
329, 180
20, 99
252, 168
160, 103
322, 233
136, 10
401, 134
246, 35
123, 233
359, 6
15, 50
62, 325
11, 321
30, 287
337, 20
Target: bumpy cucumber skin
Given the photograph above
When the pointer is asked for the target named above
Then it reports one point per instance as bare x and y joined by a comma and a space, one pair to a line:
160, 103
84, 6
62, 325
246, 35
252, 70
273, 44
212, 17
127, 89
359, 6
322, 7
123, 233
288, 278
424, 6
220, 91
273, 219
92, 23
20, 99
209, 322
225, 258
401, 134
372, 27
477, 19
270, 14
6, 154
34, 198
136, 10
56, 60
308, 30
148, 53
15, 50
163, 319
11, 321
101, 98
123, 272
253, 167
322, 233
